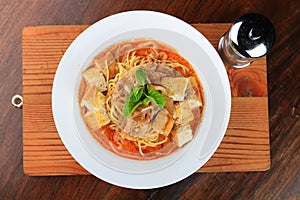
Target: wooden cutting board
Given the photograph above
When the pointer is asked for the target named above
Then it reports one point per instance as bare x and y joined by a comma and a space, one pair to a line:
245, 146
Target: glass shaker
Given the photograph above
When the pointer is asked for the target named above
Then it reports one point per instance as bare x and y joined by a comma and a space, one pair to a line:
249, 38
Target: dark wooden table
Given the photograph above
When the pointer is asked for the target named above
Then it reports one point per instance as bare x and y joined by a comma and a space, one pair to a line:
281, 181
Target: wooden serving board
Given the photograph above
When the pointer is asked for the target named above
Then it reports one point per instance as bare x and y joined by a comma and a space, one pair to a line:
245, 146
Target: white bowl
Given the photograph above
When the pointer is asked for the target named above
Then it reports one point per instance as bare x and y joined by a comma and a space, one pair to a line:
107, 166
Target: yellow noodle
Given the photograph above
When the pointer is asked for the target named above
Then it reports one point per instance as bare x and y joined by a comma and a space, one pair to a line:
108, 103
140, 148
145, 142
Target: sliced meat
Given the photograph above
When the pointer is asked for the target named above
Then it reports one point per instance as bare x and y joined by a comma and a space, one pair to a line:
168, 71
145, 113
131, 127
155, 77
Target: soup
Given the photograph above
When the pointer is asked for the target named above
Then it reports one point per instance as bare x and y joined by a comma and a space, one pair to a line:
141, 100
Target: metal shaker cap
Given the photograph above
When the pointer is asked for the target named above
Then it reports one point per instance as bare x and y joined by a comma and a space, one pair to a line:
252, 35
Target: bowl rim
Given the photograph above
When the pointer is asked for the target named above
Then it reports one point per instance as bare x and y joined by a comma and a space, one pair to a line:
57, 105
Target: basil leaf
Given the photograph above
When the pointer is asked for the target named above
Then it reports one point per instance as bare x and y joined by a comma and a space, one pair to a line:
155, 97
144, 101
126, 113
140, 76
130, 106
136, 95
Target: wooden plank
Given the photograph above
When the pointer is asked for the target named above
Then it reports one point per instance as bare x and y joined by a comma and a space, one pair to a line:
245, 146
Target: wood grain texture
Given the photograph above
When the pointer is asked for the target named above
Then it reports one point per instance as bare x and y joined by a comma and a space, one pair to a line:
245, 146
281, 181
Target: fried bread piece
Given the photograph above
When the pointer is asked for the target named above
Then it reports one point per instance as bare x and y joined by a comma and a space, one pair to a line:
176, 87
95, 77
182, 135
163, 122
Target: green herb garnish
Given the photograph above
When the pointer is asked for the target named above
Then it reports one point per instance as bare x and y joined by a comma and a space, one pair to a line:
142, 95
155, 97
140, 76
